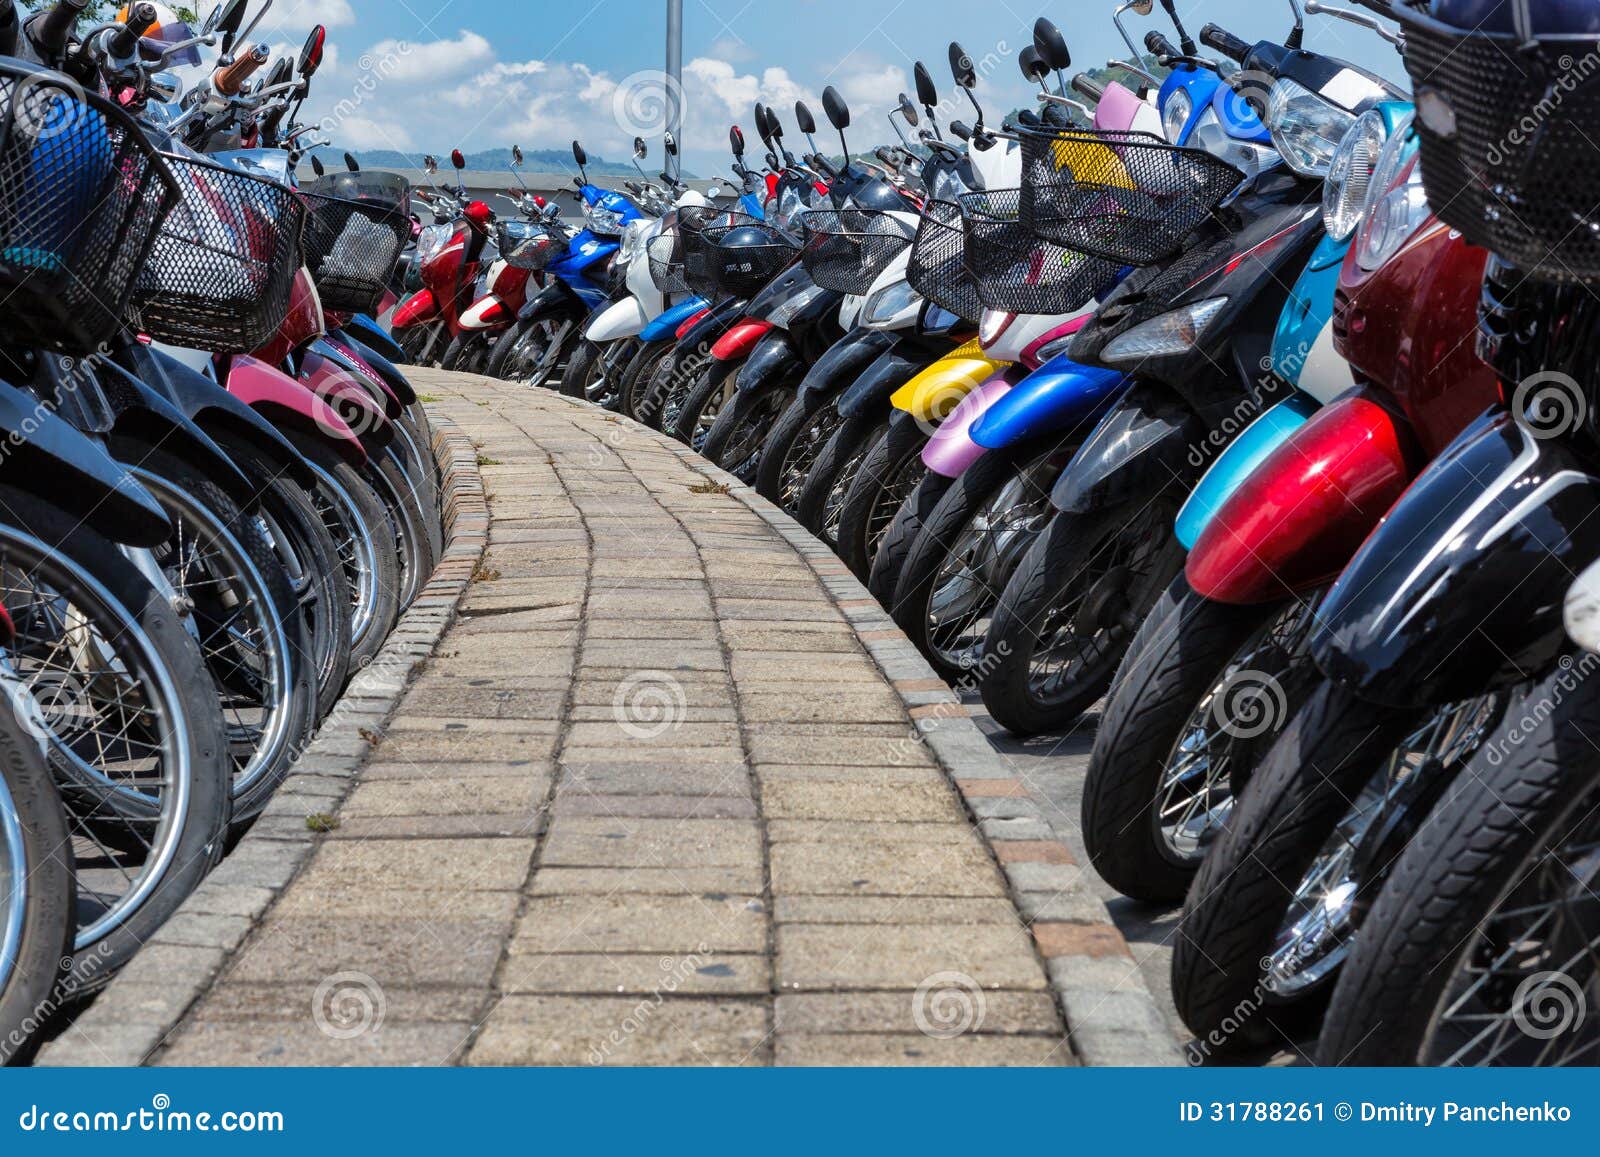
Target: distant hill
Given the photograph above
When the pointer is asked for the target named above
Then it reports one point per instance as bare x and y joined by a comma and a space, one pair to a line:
493, 160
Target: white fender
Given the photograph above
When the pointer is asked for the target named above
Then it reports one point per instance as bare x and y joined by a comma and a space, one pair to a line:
627, 318
476, 317
1583, 609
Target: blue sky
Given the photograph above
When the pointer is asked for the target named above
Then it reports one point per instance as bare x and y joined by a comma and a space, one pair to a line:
429, 75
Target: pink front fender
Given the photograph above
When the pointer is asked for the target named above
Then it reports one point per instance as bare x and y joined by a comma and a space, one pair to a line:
951, 450
350, 397
290, 406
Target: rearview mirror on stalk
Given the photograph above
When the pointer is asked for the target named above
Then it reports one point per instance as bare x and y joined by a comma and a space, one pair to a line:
225, 20
1033, 66
311, 53
1051, 45
516, 156
803, 118
458, 159
927, 91
908, 110
640, 149
736, 141
580, 157
670, 144
961, 67
834, 105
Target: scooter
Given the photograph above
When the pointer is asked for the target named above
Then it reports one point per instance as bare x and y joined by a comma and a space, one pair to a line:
449, 260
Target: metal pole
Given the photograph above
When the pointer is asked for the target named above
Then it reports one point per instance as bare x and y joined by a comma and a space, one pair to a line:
675, 81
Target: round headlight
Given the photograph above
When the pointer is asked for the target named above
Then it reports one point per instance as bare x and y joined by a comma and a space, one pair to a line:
1305, 128
1350, 174
1175, 114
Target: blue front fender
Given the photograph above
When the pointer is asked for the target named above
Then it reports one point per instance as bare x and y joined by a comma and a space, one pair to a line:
1239, 461
1055, 397
666, 326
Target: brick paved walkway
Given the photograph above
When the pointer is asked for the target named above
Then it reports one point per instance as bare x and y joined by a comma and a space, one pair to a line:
652, 801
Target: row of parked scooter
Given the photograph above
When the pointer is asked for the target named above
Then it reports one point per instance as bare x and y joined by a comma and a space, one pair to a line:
217, 491
1239, 395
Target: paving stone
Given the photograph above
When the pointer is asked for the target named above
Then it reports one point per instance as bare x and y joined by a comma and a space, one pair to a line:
843, 800
449, 865
735, 974
893, 910
478, 795
906, 1050
640, 923
255, 1043
729, 880
631, 841
828, 956
563, 1030
976, 1010
902, 870
392, 950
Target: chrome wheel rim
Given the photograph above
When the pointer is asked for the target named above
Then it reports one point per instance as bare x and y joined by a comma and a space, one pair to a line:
1320, 926
357, 551
232, 616
977, 566
803, 454
1195, 797
89, 682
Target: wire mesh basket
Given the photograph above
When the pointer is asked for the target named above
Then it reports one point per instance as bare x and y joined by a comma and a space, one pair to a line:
938, 269
665, 254
1533, 198
525, 245
221, 271
846, 250
1018, 272
82, 196
1127, 197
745, 269
351, 248
700, 256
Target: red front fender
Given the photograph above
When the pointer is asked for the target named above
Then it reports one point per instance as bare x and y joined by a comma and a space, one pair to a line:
290, 406
421, 308
1299, 518
350, 397
740, 340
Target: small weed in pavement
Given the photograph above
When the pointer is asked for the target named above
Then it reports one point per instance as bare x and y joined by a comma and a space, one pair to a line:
372, 737
485, 460
427, 399
484, 573
322, 823
710, 487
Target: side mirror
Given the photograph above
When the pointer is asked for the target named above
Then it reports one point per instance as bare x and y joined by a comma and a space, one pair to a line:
962, 68
316, 167
736, 141
516, 156
803, 118
430, 164
927, 91
351, 163
458, 160
640, 149
761, 124
311, 53
908, 110
834, 105
578, 155
282, 72
226, 19
1033, 66
1145, 7
1051, 45
774, 125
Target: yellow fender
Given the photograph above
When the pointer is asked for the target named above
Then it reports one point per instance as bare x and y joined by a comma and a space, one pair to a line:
937, 390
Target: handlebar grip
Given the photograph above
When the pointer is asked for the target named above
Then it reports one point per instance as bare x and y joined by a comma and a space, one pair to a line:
1224, 42
1084, 87
228, 81
50, 32
1157, 43
141, 18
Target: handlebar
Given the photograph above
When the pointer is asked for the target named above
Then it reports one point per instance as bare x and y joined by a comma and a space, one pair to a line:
1088, 89
124, 41
1158, 44
1225, 42
51, 31
230, 80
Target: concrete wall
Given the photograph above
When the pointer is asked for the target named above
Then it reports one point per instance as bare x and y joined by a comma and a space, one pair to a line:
485, 185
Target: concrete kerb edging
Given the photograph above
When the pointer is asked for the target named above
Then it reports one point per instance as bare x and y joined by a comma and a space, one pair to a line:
131, 1019
1111, 1017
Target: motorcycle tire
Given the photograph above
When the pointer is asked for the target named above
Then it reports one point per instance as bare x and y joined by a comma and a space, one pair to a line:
524, 353
359, 525
468, 352
909, 521
793, 448
1296, 806
52, 559
674, 381
1174, 685
1107, 569
887, 477
736, 438
414, 552
822, 500
1019, 475
39, 900
1446, 908
640, 375
700, 409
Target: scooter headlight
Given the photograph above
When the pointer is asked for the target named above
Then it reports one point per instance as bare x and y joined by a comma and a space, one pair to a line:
1305, 128
1397, 205
602, 221
1172, 333
889, 303
1175, 114
431, 242
1350, 175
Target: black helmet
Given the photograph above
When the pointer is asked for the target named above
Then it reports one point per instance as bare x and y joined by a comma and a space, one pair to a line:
747, 237
1524, 19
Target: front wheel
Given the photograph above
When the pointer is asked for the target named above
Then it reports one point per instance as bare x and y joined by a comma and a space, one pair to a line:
1283, 894
1067, 616
532, 352
699, 410
822, 499
888, 475
639, 377
469, 352
735, 439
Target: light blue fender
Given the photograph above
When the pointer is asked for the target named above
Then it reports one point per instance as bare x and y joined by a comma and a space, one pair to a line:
1057, 396
1243, 455
667, 325
1302, 352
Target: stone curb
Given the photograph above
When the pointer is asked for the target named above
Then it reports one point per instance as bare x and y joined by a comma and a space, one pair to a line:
131, 1019
1112, 1020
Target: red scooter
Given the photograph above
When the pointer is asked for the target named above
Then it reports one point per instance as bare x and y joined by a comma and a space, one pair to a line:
449, 261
